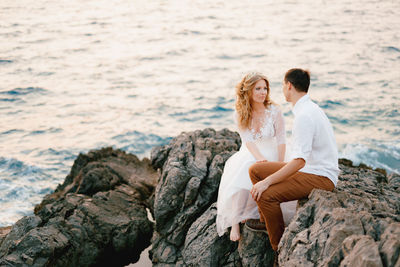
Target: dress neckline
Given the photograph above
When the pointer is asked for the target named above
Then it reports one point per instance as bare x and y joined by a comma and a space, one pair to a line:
263, 123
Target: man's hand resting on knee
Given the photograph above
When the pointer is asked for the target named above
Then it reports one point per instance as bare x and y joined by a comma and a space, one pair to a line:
258, 189
277, 177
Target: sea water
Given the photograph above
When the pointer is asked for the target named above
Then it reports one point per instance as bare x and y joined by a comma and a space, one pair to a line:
79, 75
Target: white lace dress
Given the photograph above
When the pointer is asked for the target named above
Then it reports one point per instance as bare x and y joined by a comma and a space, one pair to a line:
235, 203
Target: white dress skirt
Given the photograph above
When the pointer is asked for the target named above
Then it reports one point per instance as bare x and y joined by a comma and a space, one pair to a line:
235, 203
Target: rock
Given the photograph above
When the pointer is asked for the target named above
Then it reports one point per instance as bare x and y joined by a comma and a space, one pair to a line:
17, 232
185, 209
96, 217
4, 231
203, 246
360, 250
389, 245
358, 224
254, 249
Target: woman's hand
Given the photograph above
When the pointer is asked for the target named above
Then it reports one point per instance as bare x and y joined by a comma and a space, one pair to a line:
261, 160
257, 189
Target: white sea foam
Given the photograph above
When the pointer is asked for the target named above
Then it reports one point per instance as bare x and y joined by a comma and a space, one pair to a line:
379, 155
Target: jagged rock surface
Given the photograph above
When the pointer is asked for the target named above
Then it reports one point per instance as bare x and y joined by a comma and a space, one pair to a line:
4, 231
358, 224
97, 217
185, 210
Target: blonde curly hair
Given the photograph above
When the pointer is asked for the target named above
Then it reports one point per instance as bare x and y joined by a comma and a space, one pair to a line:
243, 97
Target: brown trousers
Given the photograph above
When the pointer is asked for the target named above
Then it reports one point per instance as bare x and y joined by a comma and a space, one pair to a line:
297, 186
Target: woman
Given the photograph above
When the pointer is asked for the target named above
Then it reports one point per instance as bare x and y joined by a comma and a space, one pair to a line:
262, 131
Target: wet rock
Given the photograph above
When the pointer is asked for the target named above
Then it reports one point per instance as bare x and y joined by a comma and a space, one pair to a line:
96, 217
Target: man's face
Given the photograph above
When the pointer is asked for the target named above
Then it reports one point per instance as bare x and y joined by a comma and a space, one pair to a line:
285, 90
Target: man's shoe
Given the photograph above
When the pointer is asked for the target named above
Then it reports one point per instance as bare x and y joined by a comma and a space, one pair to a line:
255, 225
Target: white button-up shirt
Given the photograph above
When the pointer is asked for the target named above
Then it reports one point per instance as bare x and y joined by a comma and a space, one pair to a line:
314, 140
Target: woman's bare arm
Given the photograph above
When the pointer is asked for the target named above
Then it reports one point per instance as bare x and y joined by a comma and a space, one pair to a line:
254, 151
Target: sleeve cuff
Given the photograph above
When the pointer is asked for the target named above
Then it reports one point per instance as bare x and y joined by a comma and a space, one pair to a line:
299, 155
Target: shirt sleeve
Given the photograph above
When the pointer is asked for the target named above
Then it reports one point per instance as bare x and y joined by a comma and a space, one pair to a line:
245, 135
303, 135
279, 126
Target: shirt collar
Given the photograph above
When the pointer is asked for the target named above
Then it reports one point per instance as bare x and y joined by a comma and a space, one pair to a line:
300, 103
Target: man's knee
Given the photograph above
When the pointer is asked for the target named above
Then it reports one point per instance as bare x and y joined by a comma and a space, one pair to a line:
253, 173
260, 170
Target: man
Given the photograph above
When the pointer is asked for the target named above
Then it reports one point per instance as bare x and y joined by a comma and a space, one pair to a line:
314, 161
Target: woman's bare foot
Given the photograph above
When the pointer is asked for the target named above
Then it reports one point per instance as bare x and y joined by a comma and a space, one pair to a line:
235, 232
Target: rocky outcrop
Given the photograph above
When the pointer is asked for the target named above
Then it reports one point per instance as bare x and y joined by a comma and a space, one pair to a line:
96, 217
355, 225
358, 224
185, 210
4, 232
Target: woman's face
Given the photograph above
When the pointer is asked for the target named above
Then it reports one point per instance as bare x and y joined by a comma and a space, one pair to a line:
259, 92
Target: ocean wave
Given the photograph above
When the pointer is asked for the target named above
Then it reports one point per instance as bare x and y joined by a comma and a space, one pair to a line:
5, 61
338, 120
375, 153
330, 104
24, 91
214, 109
203, 116
139, 143
22, 95
11, 100
13, 168
391, 49
44, 131
22, 186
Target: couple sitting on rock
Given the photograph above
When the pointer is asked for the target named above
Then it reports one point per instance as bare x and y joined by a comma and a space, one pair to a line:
256, 182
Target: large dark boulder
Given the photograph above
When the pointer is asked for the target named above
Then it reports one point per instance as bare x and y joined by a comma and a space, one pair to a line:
97, 217
185, 209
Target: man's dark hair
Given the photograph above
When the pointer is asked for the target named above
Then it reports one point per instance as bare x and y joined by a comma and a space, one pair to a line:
299, 78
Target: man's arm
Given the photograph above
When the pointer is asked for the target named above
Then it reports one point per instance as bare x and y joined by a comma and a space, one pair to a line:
277, 177
287, 171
